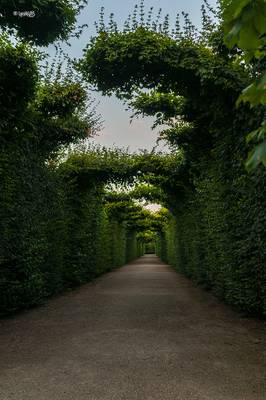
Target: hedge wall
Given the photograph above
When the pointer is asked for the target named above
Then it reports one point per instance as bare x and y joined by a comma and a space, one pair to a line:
54, 233
217, 236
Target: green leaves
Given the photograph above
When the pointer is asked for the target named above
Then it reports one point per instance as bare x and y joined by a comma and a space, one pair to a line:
257, 156
100, 164
255, 94
121, 63
163, 106
61, 99
18, 77
245, 26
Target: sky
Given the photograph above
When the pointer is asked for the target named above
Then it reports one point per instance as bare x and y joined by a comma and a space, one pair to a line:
117, 129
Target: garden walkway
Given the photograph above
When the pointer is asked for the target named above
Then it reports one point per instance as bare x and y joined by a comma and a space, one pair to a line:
141, 332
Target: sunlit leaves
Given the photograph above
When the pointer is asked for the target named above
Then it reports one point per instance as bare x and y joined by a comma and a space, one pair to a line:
164, 106
258, 154
255, 93
245, 27
107, 166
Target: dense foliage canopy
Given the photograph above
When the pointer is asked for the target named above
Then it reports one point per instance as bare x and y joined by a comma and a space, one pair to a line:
70, 211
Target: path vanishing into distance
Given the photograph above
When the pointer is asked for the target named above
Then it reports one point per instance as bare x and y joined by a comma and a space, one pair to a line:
140, 332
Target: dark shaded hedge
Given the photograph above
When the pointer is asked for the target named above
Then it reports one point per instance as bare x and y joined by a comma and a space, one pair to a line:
54, 234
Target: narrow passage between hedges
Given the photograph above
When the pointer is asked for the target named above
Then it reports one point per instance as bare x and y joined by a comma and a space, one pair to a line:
140, 332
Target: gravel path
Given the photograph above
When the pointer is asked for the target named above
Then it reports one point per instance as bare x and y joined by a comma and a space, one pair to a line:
142, 332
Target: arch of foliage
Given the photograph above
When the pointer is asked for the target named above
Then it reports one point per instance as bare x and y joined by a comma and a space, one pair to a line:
191, 81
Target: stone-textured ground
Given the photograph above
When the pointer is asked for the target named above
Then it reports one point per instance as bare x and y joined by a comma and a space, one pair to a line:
140, 333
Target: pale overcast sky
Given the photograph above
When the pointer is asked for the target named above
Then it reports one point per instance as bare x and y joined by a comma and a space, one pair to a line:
117, 128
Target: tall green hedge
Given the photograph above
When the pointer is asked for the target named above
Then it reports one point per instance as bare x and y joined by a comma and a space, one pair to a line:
217, 237
55, 234
55, 230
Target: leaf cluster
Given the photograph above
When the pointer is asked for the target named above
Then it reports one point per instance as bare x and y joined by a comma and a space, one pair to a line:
244, 23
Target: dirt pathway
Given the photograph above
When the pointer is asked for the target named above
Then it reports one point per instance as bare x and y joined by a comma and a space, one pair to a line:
139, 333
